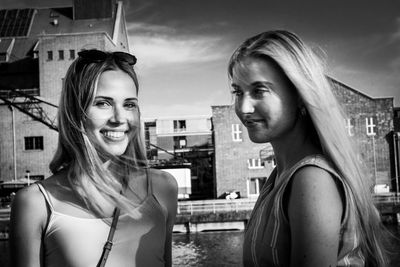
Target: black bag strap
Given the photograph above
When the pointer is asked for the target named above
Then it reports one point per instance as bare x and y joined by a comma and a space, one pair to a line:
108, 245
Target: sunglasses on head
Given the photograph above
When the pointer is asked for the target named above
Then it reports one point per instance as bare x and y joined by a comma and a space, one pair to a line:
97, 56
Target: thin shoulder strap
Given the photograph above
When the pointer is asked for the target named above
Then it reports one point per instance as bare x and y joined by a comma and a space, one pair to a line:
149, 183
108, 245
46, 196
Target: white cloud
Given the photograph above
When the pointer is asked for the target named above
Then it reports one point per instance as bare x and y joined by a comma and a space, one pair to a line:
157, 45
396, 34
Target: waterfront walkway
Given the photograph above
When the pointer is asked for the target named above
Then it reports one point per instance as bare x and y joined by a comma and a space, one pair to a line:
223, 214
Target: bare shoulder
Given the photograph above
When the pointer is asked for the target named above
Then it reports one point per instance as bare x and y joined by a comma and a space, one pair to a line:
314, 212
29, 197
29, 205
314, 180
165, 189
163, 181
314, 197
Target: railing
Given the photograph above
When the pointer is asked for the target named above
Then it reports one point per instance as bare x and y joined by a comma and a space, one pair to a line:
247, 204
389, 198
215, 206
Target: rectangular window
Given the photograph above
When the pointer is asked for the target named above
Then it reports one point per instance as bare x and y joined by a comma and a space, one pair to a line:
180, 142
49, 55
236, 133
369, 124
179, 126
349, 127
33, 143
60, 54
254, 185
3, 57
71, 54
255, 164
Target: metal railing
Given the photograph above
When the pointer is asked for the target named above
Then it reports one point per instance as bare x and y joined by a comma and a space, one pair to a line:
247, 204
215, 206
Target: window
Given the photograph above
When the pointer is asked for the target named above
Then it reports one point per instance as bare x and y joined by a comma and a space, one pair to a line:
236, 133
369, 124
3, 57
71, 54
272, 162
180, 142
349, 127
60, 54
49, 55
255, 164
254, 185
179, 126
34, 143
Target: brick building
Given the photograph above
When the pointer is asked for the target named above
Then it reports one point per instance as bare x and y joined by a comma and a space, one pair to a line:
36, 48
243, 166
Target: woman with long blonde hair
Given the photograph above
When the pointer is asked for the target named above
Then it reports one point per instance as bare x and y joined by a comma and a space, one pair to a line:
102, 204
315, 208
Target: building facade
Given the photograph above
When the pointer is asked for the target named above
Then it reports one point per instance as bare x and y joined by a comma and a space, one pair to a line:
243, 166
185, 142
50, 39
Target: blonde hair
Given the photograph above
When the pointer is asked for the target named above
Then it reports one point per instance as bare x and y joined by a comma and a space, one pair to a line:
78, 154
305, 70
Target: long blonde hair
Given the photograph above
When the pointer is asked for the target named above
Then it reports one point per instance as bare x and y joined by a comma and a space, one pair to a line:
78, 154
306, 71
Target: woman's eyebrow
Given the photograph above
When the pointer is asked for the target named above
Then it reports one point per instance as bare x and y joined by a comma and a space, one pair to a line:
261, 83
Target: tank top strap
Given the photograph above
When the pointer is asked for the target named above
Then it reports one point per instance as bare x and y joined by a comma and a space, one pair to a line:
46, 196
149, 183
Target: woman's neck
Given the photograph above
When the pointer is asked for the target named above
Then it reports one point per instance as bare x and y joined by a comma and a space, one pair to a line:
292, 147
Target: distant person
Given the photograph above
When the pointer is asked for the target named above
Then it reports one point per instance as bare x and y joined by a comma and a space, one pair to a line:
315, 208
99, 176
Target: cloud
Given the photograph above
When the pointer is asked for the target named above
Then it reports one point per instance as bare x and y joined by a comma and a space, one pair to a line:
396, 35
157, 46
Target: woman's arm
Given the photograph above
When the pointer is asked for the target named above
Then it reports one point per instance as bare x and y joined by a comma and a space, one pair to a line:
28, 219
166, 190
314, 211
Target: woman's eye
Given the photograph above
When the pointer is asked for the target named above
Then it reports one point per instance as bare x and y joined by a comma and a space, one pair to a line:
236, 92
131, 105
260, 91
102, 104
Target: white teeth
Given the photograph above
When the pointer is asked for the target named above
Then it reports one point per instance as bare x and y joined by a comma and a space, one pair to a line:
113, 134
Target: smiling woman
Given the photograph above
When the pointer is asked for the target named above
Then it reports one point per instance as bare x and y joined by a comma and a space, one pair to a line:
101, 191
113, 118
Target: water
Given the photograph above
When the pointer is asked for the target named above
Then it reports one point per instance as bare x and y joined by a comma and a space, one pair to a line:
225, 249
213, 249
207, 249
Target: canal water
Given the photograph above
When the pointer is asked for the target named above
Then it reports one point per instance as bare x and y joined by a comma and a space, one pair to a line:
214, 249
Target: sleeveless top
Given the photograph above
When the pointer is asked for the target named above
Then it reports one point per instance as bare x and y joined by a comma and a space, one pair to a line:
78, 242
267, 234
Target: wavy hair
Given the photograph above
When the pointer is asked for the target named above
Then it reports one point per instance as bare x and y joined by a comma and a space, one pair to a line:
306, 72
77, 153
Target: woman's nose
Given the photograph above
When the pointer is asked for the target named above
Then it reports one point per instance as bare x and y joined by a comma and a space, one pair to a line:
246, 105
118, 116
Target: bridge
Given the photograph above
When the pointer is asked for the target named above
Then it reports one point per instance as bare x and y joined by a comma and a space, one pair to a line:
216, 214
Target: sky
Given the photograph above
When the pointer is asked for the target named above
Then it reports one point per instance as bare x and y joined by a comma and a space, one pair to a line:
183, 46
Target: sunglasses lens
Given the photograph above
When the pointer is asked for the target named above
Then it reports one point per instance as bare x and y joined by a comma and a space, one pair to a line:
93, 55
128, 58
100, 56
